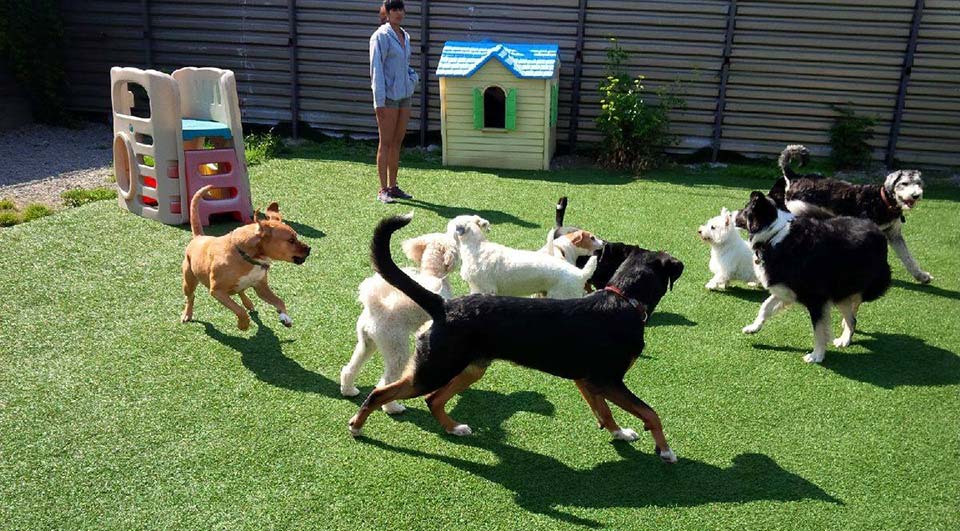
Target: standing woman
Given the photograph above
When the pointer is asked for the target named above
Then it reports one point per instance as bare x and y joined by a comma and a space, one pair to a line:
393, 83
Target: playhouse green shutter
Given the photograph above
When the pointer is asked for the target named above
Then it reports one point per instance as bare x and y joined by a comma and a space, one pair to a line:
554, 104
511, 119
477, 108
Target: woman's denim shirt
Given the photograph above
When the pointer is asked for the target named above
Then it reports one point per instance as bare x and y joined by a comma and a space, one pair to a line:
390, 72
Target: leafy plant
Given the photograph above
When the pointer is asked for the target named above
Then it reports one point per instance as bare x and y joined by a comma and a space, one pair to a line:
32, 44
80, 196
849, 136
9, 218
6, 204
635, 125
35, 211
261, 147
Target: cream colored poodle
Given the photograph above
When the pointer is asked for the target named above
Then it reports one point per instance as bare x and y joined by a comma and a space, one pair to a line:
389, 317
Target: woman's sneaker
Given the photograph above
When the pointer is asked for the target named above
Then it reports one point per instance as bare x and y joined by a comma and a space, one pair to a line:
384, 196
397, 193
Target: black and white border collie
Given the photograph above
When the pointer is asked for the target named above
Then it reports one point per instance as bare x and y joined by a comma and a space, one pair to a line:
816, 262
814, 195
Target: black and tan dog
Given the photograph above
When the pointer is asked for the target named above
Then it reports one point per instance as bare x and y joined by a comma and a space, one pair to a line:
469, 332
884, 204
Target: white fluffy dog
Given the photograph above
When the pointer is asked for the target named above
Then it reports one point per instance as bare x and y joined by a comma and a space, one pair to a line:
730, 256
495, 269
389, 317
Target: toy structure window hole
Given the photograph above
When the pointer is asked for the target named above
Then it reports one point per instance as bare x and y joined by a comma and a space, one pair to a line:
138, 102
494, 108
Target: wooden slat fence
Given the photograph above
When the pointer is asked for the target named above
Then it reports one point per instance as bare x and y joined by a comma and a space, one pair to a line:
770, 82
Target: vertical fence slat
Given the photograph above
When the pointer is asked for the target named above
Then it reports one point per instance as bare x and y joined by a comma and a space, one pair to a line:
577, 72
424, 70
904, 82
294, 71
724, 74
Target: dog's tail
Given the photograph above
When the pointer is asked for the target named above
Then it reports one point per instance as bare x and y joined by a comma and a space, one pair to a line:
588, 268
195, 226
793, 152
383, 263
561, 210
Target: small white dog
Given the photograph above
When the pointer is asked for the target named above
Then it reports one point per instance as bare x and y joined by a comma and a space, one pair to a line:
730, 256
495, 269
389, 317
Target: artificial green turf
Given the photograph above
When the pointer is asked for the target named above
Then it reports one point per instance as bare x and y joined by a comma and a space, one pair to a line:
115, 415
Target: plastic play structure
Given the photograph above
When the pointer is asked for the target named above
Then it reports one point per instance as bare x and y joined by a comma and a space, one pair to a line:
188, 136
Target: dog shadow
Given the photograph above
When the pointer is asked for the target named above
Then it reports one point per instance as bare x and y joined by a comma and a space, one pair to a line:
263, 356
637, 479
747, 294
669, 319
450, 212
896, 360
305, 230
927, 288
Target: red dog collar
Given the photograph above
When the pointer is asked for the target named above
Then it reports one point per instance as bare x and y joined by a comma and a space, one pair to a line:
633, 302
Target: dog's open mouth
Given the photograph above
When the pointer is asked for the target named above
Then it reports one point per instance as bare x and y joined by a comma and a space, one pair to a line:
909, 203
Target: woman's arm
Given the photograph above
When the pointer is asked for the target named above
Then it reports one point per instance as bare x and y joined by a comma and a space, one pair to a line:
377, 80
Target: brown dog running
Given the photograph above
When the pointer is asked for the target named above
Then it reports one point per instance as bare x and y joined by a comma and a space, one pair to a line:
231, 263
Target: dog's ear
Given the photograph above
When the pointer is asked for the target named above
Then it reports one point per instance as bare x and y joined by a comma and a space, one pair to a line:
483, 224
672, 267
450, 257
273, 212
577, 237
756, 195
414, 248
724, 212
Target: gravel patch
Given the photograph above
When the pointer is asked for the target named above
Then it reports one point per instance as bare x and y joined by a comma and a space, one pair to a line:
39, 162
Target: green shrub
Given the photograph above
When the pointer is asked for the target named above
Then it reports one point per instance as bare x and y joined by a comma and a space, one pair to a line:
9, 218
32, 44
79, 196
635, 127
261, 147
6, 204
849, 134
35, 211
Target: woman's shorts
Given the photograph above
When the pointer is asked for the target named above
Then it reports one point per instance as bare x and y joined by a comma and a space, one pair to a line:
403, 103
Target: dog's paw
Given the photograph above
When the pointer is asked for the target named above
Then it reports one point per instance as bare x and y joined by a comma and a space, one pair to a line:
186, 318
243, 323
715, 286
286, 320
842, 342
625, 434
393, 408
923, 277
349, 390
751, 328
753, 284
460, 430
666, 456
813, 357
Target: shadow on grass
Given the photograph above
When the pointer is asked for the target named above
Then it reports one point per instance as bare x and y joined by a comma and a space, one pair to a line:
896, 360
542, 484
263, 356
669, 319
747, 294
927, 288
450, 212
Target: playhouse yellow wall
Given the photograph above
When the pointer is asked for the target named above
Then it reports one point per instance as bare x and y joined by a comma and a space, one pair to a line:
526, 147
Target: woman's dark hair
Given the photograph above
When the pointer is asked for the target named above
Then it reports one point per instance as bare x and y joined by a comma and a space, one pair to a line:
390, 5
